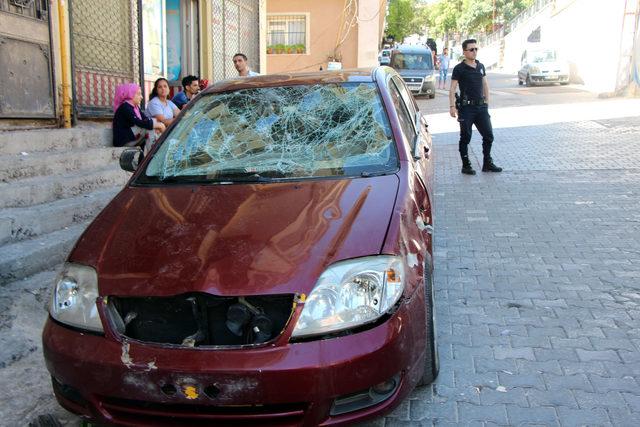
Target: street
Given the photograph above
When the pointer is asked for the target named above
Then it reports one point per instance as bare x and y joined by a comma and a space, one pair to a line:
538, 297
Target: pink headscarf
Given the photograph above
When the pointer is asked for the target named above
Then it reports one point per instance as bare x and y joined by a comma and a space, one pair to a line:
125, 93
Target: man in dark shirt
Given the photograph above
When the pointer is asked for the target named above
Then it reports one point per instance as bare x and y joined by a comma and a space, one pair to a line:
472, 107
190, 88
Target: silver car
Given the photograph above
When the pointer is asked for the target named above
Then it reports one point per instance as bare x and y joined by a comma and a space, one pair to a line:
543, 66
384, 57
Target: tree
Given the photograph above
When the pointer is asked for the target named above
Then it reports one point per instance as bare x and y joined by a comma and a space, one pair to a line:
400, 18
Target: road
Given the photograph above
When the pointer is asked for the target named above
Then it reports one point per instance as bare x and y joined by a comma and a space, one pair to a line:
538, 267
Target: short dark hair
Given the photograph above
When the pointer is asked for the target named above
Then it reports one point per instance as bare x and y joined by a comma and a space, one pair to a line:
468, 42
241, 54
186, 81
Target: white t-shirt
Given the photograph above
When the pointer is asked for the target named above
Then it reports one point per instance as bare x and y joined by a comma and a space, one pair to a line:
155, 107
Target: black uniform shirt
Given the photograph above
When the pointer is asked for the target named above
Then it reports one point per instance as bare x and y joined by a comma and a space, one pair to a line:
470, 80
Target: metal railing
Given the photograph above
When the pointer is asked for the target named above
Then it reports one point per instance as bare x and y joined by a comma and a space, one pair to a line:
36, 9
523, 16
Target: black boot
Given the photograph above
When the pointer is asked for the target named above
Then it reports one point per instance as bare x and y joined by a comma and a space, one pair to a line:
466, 166
489, 166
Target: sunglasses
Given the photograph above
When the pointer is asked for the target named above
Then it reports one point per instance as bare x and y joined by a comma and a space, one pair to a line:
473, 49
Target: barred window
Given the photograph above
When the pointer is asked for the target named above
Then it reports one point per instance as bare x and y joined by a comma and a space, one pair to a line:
287, 34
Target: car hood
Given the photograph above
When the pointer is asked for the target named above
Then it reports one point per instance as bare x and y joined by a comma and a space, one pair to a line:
232, 240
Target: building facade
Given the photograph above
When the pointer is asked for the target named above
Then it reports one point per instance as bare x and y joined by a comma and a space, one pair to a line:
306, 35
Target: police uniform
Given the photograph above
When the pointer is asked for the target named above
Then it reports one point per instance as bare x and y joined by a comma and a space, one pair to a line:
473, 110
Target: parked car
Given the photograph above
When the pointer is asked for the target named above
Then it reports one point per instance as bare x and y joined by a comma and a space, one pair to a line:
543, 66
384, 57
270, 261
415, 65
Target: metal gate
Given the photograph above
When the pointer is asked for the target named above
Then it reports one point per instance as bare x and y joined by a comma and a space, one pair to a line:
105, 51
26, 77
234, 29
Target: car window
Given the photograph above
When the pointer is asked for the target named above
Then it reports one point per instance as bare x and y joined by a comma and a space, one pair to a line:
406, 123
543, 56
406, 97
299, 131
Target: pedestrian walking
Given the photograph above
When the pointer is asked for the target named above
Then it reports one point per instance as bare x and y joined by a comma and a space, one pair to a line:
472, 106
190, 88
242, 65
444, 68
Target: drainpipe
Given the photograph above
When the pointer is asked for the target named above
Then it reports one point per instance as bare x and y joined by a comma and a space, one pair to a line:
64, 53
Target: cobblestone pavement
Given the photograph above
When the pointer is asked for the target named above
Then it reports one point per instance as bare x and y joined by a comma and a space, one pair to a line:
538, 281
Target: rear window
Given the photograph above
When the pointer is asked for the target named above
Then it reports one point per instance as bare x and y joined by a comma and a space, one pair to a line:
278, 133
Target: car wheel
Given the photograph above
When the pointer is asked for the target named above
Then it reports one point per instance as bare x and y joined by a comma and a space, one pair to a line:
564, 83
528, 82
431, 360
432, 96
520, 82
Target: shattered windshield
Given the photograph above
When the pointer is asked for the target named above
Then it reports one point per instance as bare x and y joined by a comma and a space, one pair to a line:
278, 133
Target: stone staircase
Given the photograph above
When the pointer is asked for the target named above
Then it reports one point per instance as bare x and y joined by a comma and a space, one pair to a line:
52, 184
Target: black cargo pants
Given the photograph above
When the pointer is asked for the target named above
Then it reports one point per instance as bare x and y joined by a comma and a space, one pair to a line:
478, 115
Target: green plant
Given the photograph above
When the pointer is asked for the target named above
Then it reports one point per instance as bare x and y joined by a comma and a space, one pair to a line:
270, 49
279, 48
300, 48
290, 48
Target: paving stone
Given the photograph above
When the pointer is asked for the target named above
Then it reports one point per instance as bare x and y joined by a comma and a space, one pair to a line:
528, 416
586, 400
468, 412
551, 398
582, 417
514, 353
568, 382
434, 412
588, 356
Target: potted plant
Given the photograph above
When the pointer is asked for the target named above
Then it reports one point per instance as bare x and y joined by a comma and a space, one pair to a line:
279, 48
290, 49
300, 48
270, 50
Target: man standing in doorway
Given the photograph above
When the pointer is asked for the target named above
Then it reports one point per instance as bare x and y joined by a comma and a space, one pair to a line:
190, 88
240, 62
472, 108
444, 68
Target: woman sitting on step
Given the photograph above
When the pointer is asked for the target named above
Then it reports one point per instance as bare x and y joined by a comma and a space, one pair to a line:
130, 126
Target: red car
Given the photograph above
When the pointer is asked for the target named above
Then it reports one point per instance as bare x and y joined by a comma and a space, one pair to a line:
268, 263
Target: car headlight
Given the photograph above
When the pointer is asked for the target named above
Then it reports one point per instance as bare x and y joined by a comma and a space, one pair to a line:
74, 298
352, 293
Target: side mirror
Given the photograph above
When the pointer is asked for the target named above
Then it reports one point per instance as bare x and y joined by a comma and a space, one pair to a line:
130, 158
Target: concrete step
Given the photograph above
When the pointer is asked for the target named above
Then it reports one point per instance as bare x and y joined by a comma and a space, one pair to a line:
27, 165
32, 256
29, 141
44, 189
18, 224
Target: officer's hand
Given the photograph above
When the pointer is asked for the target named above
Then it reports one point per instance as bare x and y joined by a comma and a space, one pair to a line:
453, 112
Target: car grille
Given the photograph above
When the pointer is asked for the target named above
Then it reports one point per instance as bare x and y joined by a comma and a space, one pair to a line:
199, 319
166, 414
413, 80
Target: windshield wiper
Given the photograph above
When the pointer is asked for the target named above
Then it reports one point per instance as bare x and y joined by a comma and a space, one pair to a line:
367, 174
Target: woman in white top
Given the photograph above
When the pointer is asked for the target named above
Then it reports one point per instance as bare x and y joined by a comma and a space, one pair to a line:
160, 107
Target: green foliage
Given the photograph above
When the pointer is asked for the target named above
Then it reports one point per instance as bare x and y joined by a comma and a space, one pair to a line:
400, 18
466, 16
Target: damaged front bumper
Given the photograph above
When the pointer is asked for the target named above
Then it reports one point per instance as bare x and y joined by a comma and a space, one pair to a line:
126, 382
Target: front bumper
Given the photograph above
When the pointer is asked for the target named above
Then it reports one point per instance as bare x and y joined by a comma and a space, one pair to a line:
130, 383
549, 78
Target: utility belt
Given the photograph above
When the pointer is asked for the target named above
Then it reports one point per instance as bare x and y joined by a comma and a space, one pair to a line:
464, 102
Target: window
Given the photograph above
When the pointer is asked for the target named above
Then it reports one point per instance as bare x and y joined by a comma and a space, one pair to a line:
287, 34
406, 122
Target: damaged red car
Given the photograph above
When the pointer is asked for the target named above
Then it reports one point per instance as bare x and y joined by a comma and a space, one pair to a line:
268, 263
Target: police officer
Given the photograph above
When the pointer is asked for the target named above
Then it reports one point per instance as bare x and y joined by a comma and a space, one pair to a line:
472, 107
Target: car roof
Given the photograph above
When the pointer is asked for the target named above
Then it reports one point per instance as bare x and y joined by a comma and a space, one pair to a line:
413, 49
356, 75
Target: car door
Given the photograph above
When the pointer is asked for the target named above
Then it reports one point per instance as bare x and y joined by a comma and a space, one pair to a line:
419, 145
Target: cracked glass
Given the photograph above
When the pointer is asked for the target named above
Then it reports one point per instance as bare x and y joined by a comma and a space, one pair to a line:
284, 132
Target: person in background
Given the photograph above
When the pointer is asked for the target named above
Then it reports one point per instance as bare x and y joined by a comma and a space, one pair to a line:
444, 68
130, 126
190, 88
241, 64
160, 107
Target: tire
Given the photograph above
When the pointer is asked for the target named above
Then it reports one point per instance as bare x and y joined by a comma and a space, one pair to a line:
564, 83
528, 82
520, 82
432, 96
431, 359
